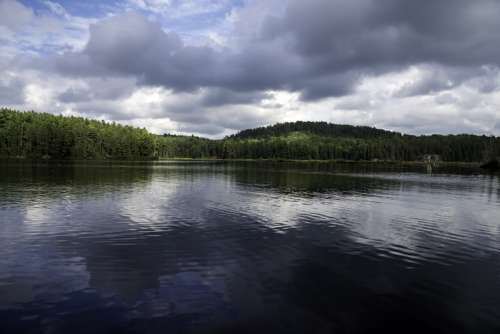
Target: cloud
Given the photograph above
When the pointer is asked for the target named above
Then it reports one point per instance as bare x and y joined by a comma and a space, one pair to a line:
446, 98
220, 97
98, 89
432, 78
319, 48
130, 45
12, 91
14, 15
414, 67
372, 33
57, 9
181, 8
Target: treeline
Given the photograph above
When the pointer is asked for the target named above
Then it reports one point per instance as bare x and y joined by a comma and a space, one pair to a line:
466, 148
172, 146
45, 136
325, 141
40, 135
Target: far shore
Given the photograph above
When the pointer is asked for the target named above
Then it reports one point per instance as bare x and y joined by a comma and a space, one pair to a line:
277, 160
374, 162
299, 161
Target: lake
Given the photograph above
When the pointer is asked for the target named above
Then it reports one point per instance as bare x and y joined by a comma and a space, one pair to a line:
218, 247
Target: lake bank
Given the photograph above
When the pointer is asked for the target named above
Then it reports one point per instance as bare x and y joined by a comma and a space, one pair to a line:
379, 162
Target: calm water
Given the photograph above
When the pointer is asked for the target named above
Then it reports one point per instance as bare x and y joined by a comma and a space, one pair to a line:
255, 248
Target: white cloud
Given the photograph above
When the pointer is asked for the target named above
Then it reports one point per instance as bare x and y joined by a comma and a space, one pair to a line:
14, 15
57, 9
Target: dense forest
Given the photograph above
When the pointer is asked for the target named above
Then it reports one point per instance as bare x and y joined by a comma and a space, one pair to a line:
46, 136
43, 136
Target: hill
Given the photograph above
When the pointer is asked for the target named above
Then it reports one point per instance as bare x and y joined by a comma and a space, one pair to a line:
327, 141
323, 129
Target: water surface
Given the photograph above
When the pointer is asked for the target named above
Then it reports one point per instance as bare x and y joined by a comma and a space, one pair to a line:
247, 247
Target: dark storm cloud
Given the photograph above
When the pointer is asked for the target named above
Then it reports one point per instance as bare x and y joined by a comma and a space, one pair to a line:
320, 48
220, 96
344, 34
131, 45
326, 86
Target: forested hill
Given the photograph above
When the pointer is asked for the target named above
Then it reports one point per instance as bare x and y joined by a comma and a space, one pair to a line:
45, 136
323, 141
323, 129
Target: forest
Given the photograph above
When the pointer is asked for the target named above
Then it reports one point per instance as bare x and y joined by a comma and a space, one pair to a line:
35, 135
46, 136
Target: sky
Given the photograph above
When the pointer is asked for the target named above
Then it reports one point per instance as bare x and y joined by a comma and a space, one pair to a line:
213, 67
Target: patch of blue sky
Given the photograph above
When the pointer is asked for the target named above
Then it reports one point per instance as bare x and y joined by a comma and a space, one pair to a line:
179, 17
182, 16
82, 8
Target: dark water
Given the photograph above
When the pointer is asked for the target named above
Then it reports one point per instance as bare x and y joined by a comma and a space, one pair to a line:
254, 248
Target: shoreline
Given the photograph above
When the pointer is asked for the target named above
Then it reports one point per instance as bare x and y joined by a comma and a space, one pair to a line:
367, 162
180, 159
